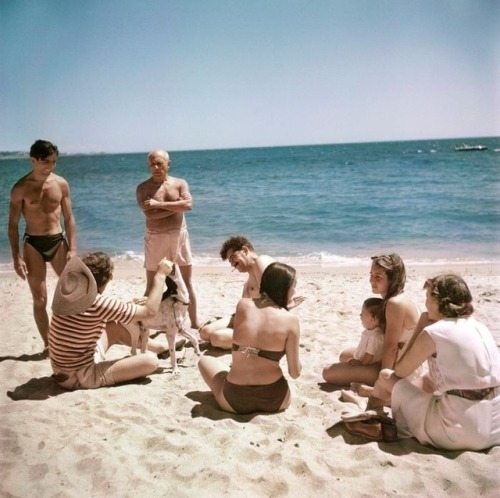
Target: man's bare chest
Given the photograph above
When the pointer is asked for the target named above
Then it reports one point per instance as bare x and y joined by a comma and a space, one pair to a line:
46, 197
163, 192
252, 287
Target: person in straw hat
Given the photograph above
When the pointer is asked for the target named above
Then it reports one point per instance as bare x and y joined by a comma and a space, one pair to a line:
85, 324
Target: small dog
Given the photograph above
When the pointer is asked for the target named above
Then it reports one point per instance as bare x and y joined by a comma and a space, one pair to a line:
171, 318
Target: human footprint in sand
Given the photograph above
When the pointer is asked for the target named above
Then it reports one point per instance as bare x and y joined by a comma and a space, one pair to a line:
463, 412
387, 278
264, 332
85, 324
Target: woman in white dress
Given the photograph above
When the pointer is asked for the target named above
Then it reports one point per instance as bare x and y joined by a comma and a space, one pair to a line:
463, 413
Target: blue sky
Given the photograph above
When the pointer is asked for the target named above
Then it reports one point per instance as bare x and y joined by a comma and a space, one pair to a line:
133, 75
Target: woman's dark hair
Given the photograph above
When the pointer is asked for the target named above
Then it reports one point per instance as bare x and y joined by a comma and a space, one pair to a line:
42, 149
101, 267
452, 294
395, 270
276, 282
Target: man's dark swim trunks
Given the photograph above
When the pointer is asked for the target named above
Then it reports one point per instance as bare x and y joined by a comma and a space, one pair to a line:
46, 245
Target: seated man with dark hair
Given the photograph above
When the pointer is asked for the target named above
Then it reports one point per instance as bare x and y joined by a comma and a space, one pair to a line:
239, 251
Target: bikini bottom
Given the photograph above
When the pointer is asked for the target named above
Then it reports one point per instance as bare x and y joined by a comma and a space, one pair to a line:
259, 398
46, 245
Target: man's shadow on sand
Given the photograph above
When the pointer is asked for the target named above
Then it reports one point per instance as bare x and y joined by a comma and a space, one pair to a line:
41, 388
37, 388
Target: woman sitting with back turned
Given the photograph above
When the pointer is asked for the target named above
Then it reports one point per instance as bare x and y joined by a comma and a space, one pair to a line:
264, 332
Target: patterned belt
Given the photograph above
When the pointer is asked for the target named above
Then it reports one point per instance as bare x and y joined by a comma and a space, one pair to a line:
472, 394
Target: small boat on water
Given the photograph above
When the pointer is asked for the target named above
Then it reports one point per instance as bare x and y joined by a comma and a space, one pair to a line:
467, 147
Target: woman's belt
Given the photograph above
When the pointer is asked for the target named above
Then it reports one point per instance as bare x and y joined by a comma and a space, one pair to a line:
472, 394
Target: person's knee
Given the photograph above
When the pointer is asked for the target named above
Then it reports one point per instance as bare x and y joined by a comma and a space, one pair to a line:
39, 301
345, 356
204, 333
384, 377
324, 372
386, 373
203, 364
151, 360
207, 331
222, 338
327, 373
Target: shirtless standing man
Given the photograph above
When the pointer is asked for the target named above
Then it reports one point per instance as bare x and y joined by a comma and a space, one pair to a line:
41, 197
164, 200
241, 255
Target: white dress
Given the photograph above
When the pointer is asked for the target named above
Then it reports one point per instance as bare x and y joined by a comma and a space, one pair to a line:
467, 358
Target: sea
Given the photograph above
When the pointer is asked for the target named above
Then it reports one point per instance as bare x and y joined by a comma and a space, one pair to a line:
317, 205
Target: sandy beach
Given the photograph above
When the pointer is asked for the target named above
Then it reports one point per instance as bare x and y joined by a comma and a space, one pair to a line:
165, 436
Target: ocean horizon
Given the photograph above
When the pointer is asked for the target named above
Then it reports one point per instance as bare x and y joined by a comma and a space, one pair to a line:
318, 205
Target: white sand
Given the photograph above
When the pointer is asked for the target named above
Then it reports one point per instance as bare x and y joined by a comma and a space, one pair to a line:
165, 436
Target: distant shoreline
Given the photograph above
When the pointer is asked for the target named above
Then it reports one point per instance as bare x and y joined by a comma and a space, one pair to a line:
5, 154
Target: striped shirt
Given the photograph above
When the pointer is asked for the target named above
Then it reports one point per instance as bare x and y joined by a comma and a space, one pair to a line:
73, 338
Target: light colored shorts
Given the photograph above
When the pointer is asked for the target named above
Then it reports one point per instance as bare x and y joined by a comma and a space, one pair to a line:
90, 377
173, 245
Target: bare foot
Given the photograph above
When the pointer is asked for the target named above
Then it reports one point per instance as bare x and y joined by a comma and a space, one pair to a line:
361, 389
350, 397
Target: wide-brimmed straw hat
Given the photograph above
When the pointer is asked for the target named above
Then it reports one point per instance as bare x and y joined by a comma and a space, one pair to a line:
76, 289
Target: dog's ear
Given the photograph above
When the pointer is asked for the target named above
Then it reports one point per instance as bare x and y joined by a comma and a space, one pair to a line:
171, 288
